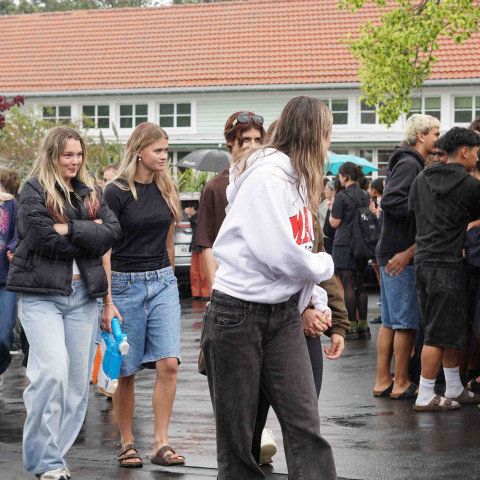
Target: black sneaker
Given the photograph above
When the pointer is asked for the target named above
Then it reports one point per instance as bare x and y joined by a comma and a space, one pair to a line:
377, 319
364, 332
352, 334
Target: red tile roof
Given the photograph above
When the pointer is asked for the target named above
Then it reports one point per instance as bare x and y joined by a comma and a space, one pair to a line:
255, 42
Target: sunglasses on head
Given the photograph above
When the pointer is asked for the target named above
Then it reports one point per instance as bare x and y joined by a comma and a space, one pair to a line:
244, 117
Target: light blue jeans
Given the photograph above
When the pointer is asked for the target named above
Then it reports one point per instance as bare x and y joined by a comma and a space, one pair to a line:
61, 332
8, 316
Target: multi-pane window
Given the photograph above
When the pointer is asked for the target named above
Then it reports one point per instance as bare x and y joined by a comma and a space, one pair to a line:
382, 156
175, 115
98, 115
367, 155
382, 161
57, 113
426, 105
367, 114
466, 109
133, 115
339, 109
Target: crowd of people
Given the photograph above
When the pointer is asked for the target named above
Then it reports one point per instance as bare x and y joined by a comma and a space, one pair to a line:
275, 250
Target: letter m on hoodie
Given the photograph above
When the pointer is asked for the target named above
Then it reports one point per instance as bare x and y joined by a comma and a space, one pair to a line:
297, 227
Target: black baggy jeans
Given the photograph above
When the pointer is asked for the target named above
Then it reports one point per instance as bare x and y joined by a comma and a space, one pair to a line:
248, 346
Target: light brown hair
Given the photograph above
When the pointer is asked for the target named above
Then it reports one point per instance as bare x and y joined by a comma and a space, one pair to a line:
144, 135
47, 169
301, 133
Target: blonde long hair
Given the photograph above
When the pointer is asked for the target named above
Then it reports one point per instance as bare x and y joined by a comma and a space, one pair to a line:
301, 133
146, 134
47, 169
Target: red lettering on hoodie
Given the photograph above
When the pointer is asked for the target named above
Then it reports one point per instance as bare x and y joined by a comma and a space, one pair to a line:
300, 226
297, 227
308, 235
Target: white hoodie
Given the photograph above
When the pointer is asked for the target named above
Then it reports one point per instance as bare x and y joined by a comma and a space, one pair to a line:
264, 247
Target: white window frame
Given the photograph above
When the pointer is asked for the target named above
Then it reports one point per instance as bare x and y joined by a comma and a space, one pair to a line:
423, 108
96, 116
133, 116
473, 108
178, 130
329, 103
57, 110
360, 111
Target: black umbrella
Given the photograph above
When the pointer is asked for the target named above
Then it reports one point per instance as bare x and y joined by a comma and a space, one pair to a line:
206, 160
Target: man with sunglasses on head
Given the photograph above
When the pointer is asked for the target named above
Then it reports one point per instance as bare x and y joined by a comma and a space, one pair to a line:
242, 131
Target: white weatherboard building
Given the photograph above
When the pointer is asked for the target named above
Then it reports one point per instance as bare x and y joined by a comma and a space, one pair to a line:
188, 67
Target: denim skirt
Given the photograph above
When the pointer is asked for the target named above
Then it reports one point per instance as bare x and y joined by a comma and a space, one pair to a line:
150, 308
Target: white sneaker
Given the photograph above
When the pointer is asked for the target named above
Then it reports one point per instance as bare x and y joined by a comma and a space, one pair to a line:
268, 447
67, 472
58, 474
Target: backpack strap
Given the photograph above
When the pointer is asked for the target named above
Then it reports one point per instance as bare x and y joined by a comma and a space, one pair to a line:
355, 201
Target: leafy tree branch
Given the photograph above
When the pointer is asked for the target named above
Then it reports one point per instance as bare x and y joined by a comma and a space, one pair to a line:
397, 51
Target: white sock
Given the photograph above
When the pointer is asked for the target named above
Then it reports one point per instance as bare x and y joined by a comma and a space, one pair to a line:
454, 384
425, 392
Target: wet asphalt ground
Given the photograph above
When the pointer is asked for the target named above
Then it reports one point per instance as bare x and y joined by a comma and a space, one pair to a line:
372, 438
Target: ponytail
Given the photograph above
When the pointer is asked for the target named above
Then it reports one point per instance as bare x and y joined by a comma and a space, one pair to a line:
351, 170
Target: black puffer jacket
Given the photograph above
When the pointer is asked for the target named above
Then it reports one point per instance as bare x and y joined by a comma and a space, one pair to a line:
43, 259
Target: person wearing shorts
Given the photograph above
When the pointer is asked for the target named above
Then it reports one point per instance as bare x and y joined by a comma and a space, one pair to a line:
144, 292
444, 198
399, 311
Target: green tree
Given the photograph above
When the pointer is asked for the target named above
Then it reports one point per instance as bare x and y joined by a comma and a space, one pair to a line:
20, 139
396, 53
9, 7
181, 2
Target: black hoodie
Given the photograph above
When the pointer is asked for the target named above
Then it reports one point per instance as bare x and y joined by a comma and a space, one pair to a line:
444, 198
398, 227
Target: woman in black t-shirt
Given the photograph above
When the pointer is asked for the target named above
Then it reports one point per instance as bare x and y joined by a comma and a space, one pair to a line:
144, 292
350, 269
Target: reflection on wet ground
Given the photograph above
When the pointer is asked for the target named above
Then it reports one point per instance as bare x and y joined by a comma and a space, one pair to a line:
372, 438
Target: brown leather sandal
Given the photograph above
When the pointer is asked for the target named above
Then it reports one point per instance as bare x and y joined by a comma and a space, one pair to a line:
164, 458
436, 404
123, 457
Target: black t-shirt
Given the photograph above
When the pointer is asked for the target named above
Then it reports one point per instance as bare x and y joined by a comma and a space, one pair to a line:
145, 223
344, 209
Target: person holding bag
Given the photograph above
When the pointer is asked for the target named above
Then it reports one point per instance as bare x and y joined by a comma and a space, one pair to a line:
144, 291
64, 228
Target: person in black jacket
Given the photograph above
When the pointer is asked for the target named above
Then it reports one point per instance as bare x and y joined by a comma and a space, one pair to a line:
64, 228
444, 198
395, 248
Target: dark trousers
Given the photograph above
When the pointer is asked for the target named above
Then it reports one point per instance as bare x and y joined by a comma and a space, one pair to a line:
315, 352
248, 347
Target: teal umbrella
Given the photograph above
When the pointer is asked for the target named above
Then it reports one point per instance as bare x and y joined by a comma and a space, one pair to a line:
335, 160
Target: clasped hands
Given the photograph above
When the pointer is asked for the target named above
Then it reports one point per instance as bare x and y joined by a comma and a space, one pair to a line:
315, 323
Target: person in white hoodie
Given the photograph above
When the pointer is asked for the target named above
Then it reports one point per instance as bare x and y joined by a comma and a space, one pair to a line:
267, 274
